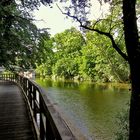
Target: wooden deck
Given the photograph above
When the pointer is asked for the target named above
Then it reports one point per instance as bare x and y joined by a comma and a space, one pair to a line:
15, 123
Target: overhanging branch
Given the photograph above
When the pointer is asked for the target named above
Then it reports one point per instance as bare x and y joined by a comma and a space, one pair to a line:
114, 45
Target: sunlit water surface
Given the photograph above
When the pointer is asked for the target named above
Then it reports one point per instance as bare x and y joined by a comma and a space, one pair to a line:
92, 108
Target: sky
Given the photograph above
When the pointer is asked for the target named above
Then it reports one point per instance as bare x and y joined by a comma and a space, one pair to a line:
52, 18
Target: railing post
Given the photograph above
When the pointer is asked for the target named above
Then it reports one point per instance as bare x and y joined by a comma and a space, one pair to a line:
41, 121
42, 131
46, 130
34, 104
29, 94
49, 132
24, 85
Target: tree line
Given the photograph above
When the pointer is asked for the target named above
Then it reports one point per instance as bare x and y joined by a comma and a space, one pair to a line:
74, 55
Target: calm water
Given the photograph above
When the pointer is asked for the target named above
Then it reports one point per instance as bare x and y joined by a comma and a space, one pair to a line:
92, 108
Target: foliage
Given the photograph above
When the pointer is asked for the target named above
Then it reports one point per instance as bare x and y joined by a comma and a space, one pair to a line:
67, 45
45, 55
123, 125
109, 64
66, 68
18, 36
69, 55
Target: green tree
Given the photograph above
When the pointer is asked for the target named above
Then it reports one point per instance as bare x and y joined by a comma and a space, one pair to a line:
66, 68
87, 63
68, 46
18, 36
45, 55
109, 66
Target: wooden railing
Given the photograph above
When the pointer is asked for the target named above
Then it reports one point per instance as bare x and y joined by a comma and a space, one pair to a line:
48, 123
7, 77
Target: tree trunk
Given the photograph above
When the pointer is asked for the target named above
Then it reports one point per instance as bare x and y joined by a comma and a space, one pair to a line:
133, 50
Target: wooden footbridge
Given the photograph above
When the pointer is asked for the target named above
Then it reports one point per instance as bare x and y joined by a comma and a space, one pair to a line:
27, 114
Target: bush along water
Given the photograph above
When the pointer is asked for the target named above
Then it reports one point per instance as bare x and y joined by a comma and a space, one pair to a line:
123, 125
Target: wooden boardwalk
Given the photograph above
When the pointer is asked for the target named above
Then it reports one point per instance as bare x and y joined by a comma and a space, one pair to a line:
15, 123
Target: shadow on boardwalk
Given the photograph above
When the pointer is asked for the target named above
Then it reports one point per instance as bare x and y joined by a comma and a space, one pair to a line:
15, 123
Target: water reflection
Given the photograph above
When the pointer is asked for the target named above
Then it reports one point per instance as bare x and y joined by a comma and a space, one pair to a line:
91, 107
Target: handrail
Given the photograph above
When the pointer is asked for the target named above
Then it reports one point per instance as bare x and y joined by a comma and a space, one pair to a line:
48, 123
7, 77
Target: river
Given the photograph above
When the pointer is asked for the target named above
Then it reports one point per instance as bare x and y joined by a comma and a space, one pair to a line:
92, 108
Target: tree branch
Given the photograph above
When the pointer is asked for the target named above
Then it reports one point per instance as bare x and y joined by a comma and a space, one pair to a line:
114, 45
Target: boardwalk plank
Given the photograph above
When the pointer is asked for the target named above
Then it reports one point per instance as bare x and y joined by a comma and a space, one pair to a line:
15, 123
